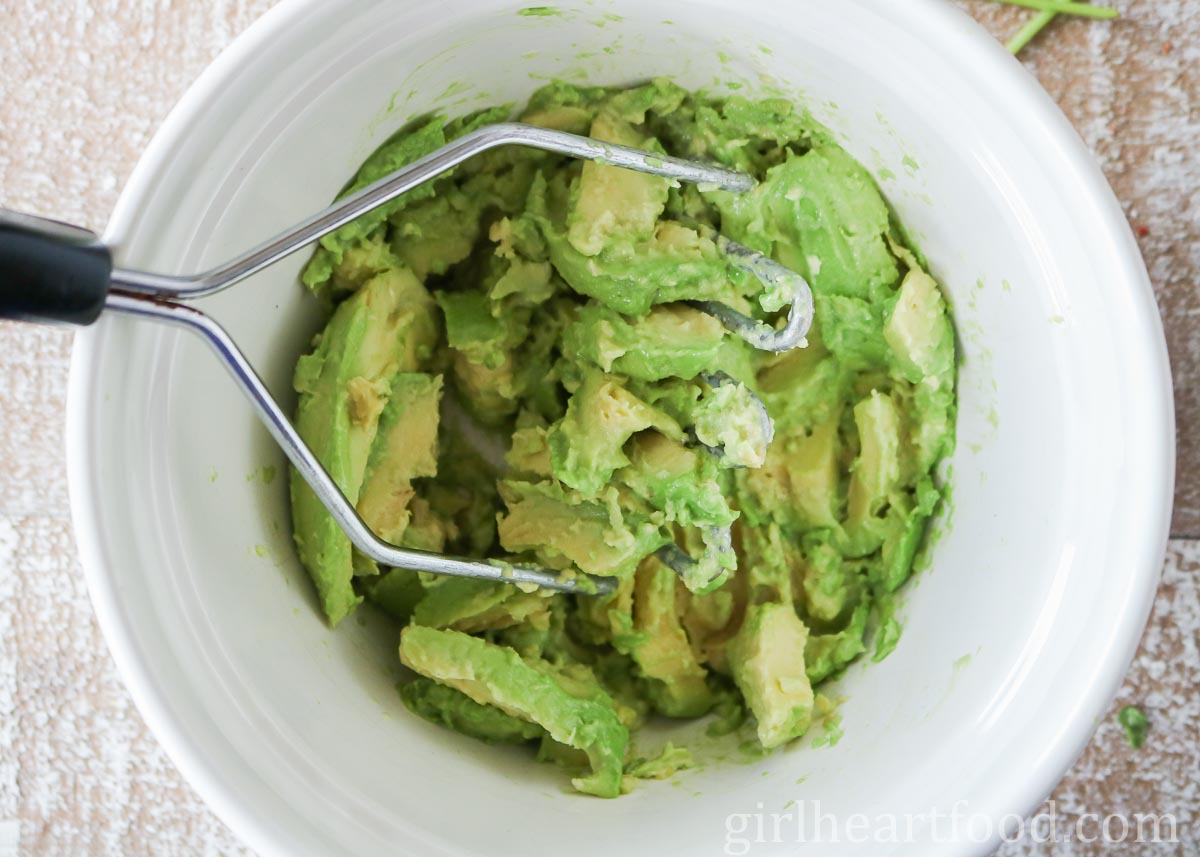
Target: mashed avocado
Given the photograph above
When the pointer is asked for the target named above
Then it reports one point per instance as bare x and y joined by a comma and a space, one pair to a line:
539, 303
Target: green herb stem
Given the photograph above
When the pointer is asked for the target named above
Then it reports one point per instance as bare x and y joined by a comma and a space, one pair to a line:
1030, 31
1066, 7
1136, 724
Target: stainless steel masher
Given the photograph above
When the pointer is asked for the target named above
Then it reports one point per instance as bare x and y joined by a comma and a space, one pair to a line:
53, 272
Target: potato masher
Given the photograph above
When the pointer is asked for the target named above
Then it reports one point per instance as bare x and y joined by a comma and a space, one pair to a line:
53, 272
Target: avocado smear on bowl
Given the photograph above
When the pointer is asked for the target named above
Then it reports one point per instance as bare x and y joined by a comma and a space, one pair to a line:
540, 301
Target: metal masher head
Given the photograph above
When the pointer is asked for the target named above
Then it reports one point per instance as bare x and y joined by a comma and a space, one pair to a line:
53, 272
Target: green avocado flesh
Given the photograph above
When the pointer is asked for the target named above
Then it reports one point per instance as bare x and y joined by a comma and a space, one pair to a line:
535, 307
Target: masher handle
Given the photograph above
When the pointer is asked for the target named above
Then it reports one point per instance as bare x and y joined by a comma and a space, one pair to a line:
50, 271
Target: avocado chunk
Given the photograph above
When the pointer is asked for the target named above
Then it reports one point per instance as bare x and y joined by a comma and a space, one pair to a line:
821, 215
825, 654
613, 204
436, 234
583, 718
675, 263
501, 334
767, 657
586, 444
416, 140
360, 262
712, 617
703, 559
669, 761
463, 497
918, 330
771, 562
380, 330
682, 483
686, 488
732, 420
671, 341
877, 469
565, 530
804, 386
828, 582
472, 330
397, 592
529, 455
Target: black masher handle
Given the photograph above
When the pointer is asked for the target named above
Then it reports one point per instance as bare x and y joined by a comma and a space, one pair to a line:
50, 271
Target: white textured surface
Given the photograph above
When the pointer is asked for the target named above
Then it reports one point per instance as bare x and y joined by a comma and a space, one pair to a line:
82, 87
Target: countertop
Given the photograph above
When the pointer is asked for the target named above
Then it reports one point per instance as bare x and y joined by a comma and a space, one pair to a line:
82, 89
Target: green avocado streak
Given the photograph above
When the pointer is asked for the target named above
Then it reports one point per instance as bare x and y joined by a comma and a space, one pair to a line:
537, 306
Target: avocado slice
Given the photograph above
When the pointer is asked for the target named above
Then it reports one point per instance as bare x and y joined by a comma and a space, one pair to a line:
767, 657
405, 448
472, 606
579, 716
446, 706
813, 477
919, 332
903, 529
383, 328
675, 681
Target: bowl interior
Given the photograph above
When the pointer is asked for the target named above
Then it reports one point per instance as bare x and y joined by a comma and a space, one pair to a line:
1015, 634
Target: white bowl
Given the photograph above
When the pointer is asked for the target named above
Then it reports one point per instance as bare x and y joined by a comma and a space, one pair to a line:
1015, 639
